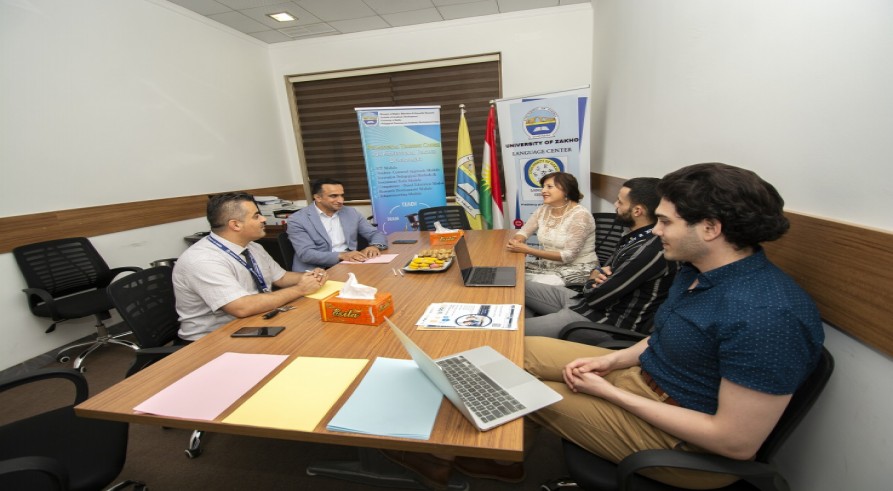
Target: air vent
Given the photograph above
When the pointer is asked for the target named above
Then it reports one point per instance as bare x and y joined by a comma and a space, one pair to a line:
310, 30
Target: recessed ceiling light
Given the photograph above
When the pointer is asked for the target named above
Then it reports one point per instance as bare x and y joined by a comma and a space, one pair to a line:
282, 17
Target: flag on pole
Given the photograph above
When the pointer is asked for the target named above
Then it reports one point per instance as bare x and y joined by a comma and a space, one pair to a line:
467, 194
491, 190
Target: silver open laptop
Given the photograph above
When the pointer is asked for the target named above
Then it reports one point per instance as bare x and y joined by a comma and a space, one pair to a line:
485, 386
482, 275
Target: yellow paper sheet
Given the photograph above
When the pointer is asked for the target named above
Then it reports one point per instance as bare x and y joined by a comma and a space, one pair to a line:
329, 288
300, 395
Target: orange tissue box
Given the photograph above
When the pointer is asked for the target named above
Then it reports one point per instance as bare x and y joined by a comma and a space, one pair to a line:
449, 238
351, 311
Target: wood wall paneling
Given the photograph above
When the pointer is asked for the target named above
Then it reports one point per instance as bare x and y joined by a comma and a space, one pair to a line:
106, 219
846, 268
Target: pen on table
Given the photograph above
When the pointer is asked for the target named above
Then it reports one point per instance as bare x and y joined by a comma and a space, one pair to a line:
394, 271
401, 272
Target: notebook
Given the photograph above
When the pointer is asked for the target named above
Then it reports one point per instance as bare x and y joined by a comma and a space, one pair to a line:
482, 275
485, 386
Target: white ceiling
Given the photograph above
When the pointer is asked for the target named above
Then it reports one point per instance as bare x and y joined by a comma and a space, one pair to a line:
330, 17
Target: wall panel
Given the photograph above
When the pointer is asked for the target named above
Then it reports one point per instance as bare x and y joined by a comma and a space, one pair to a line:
106, 219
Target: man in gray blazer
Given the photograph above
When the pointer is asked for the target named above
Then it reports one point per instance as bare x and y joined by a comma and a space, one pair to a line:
326, 232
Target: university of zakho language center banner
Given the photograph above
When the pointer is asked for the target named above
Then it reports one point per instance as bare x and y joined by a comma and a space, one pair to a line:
540, 135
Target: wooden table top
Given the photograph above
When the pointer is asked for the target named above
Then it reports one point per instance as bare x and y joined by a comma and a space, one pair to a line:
307, 335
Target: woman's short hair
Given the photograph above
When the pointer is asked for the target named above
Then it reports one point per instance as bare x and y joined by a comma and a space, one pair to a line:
565, 182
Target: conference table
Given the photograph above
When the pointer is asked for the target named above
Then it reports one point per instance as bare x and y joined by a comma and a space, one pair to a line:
307, 335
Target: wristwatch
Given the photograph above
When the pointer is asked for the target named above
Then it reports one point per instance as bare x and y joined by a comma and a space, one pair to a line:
381, 247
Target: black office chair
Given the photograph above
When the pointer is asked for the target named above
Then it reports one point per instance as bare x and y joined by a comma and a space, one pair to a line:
56, 450
288, 250
593, 473
607, 235
66, 279
449, 216
146, 302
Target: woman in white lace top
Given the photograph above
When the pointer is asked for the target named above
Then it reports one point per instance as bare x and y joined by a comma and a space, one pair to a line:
565, 231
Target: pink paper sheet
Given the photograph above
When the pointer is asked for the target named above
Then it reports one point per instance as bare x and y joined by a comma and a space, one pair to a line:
382, 259
211, 388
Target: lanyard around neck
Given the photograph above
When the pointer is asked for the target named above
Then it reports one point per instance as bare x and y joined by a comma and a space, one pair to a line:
252, 268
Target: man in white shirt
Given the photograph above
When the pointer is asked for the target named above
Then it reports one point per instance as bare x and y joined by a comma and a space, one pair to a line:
326, 232
226, 275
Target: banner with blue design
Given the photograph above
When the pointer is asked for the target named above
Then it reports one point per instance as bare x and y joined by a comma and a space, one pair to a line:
404, 163
540, 135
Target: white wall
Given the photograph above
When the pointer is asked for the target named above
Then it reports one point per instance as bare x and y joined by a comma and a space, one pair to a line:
108, 102
170, 104
799, 91
796, 90
542, 50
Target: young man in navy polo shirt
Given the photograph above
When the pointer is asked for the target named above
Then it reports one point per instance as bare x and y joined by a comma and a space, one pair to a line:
732, 342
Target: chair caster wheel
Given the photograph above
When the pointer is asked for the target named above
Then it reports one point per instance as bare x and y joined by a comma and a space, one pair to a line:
559, 484
193, 453
63, 359
82, 369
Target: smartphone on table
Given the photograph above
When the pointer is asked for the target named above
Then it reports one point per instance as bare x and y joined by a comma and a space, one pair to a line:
405, 241
258, 332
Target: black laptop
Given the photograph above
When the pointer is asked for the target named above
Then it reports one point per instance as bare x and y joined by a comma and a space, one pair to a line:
482, 275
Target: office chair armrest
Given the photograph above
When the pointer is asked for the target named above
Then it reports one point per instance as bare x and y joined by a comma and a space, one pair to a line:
54, 471
617, 344
761, 475
114, 272
613, 331
148, 356
40, 293
74, 376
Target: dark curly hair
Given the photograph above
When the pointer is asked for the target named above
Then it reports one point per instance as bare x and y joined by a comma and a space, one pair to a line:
749, 208
565, 182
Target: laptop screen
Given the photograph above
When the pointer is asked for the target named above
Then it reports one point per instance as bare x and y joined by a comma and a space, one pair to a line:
463, 257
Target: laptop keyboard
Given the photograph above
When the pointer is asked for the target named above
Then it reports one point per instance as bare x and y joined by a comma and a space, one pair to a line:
478, 391
483, 276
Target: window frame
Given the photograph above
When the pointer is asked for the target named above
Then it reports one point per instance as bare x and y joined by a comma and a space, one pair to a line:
476, 115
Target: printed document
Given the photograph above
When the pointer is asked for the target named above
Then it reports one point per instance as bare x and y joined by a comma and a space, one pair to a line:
470, 316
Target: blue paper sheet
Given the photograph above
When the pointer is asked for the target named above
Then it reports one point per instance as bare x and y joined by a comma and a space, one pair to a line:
394, 399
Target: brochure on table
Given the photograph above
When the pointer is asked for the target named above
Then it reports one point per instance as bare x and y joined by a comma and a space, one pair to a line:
470, 316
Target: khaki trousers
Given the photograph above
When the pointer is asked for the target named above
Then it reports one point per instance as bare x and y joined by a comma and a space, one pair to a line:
599, 426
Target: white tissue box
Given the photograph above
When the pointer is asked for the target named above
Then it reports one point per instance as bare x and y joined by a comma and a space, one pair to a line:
354, 311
